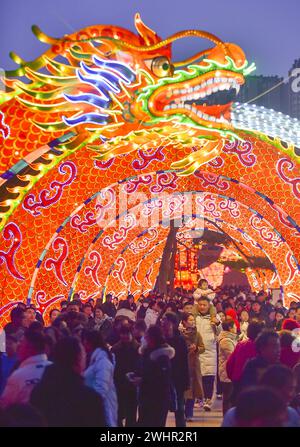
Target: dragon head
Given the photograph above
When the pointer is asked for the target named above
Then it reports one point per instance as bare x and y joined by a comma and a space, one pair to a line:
123, 90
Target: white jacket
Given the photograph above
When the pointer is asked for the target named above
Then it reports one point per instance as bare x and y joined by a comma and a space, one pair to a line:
151, 317
244, 327
126, 313
22, 381
210, 294
100, 376
208, 360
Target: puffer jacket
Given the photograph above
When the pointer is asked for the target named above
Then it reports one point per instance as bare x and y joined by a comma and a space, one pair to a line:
151, 317
22, 381
227, 343
208, 359
100, 376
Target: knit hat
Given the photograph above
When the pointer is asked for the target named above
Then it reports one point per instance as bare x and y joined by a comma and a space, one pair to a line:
289, 324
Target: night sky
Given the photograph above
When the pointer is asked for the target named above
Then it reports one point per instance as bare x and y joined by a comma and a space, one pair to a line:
267, 30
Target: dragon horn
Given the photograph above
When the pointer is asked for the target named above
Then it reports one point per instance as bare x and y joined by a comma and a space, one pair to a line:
147, 34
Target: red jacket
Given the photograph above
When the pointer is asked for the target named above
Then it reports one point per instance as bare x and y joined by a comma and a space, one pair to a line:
288, 357
244, 351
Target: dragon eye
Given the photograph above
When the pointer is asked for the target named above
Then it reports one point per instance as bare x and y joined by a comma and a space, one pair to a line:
162, 67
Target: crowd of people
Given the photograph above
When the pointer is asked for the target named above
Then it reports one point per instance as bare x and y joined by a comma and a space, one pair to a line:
129, 363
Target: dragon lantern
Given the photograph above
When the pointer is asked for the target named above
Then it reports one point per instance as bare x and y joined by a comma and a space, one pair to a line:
114, 93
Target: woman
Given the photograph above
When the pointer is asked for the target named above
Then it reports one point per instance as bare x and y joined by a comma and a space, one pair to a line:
124, 310
155, 381
208, 327
195, 347
227, 343
101, 322
100, 373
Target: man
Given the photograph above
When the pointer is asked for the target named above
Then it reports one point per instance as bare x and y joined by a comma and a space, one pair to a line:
189, 308
33, 361
268, 351
74, 305
208, 327
131, 302
179, 363
256, 312
17, 322
127, 360
257, 407
108, 307
88, 311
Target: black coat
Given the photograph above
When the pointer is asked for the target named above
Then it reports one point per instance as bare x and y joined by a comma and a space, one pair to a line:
180, 365
109, 309
104, 327
155, 392
253, 372
127, 360
64, 400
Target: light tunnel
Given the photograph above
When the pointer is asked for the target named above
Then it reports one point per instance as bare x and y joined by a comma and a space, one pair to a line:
89, 148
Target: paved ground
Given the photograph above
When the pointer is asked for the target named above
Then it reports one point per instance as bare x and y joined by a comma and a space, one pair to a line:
202, 418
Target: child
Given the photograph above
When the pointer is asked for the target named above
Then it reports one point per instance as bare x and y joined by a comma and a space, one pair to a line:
244, 323
204, 291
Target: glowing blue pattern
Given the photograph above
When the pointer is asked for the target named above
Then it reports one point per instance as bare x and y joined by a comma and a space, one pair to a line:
107, 77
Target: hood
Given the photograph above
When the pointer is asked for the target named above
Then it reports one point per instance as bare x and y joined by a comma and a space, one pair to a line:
231, 313
165, 350
227, 334
151, 311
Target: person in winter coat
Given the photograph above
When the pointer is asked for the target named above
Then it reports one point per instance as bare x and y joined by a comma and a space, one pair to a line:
124, 310
152, 314
127, 360
195, 347
8, 359
156, 390
227, 342
61, 396
180, 367
288, 356
141, 312
244, 351
99, 375
244, 323
101, 322
282, 380
267, 346
231, 313
203, 290
108, 306
33, 362
208, 327
296, 400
